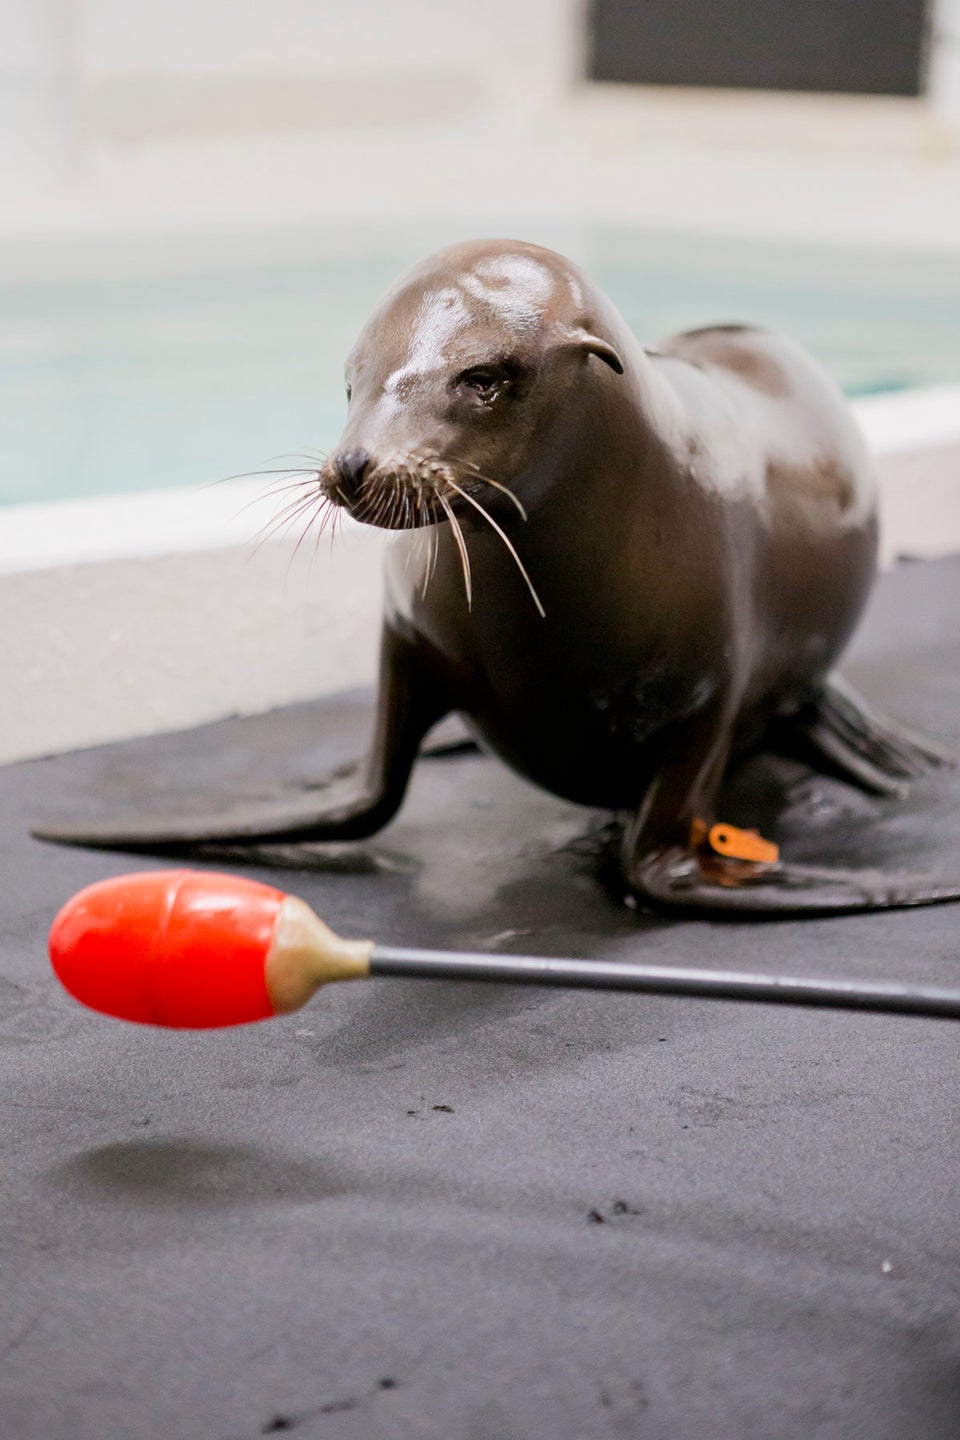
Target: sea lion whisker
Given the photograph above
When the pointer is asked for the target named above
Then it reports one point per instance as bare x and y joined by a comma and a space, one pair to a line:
273, 533
379, 506
281, 522
461, 546
423, 519
433, 551
329, 518
521, 508
324, 520
387, 509
431, 536
317, 531
419, 524
251, 474
269, 468
435, 540
365, 509
337, 520
306, 531
274, 492
477, 474
506, 540
380, 516
338, 513
335, 513
278, 523
314, 511
312, 455
290, 507
281, 487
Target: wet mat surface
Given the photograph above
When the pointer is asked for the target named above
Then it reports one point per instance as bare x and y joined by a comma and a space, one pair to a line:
453, 1211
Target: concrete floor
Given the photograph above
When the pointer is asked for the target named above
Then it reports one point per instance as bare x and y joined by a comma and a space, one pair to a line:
416, 1210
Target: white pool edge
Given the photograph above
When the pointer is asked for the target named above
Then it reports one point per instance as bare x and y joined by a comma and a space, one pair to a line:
898, 426
127, 615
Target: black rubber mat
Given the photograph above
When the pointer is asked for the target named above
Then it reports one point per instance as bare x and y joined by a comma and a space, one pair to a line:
423, 1210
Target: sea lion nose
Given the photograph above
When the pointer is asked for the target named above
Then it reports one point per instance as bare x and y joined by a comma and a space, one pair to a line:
350, 467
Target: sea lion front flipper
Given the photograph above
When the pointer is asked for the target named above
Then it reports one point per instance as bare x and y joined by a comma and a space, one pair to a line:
676, 859
863, 746
681, 878
352, 804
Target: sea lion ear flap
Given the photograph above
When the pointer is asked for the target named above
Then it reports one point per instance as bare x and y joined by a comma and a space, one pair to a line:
582, 339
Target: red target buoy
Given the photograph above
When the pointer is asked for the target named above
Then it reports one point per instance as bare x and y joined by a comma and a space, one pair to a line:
169, 947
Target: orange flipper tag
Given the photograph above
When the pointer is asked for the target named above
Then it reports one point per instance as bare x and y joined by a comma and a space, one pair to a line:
736, 844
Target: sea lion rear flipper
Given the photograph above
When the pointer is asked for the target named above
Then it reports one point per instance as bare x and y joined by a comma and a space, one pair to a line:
864, 746
352, 804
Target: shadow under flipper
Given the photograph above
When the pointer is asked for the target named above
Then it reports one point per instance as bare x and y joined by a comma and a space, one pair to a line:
305, 858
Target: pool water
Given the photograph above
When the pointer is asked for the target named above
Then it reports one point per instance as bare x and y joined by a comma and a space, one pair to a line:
150, 371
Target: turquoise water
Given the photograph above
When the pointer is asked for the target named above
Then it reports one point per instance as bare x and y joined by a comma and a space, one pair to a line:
125, 371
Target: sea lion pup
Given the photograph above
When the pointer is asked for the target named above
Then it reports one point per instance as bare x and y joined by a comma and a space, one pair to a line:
620, 565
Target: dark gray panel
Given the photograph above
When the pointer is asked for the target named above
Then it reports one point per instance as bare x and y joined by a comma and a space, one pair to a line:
856, 46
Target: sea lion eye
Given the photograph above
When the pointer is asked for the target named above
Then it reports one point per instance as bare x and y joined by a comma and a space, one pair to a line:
487, 381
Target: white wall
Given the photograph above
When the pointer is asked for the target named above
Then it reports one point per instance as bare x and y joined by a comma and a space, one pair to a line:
37, 80
497, 43
76, 75
943, 78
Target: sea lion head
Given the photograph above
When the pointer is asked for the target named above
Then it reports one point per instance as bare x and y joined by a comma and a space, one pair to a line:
468, 359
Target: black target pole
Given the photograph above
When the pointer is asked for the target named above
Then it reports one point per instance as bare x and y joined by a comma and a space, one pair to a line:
889, 997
